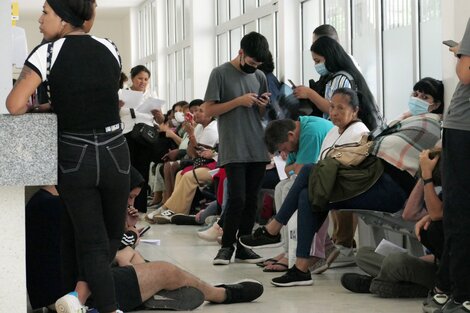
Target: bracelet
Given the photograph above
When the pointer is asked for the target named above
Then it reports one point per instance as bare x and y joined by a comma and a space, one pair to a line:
427, 181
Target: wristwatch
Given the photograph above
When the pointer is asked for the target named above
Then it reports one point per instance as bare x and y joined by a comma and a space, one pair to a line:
427, 181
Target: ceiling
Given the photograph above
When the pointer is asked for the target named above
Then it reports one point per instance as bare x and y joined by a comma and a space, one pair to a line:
34, 7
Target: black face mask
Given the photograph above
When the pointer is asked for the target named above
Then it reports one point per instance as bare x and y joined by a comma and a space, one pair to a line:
247, 68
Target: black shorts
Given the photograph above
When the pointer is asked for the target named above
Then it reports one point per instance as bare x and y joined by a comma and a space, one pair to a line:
126, 287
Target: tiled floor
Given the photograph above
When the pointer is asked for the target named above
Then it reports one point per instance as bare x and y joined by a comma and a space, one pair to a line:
181, 246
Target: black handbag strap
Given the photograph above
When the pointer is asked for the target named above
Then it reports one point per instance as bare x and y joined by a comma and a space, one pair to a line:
132, 113
50, 47
195, 177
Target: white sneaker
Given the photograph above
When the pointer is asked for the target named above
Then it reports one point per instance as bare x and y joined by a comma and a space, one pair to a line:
70, 304
164, 217
346, 255
211, 233
321, 265
150, 217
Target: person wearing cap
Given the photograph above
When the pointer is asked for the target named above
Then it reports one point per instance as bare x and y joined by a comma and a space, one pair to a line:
83, 74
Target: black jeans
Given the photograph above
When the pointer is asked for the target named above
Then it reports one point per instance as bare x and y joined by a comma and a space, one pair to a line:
244, 183
94, 185
456, 193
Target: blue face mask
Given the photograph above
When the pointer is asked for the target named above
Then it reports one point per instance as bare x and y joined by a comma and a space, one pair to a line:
321, 69
418, 106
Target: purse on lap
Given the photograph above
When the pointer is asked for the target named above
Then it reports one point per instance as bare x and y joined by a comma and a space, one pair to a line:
350, 154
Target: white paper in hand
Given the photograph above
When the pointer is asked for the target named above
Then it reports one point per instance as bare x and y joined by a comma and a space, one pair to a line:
386, 247
280, 167
151, 104
131, 98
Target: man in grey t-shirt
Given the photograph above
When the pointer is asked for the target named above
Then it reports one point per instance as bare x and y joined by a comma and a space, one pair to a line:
453, 281
238, 94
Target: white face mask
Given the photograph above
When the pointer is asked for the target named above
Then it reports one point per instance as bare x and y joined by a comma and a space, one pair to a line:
174, 122
179, 117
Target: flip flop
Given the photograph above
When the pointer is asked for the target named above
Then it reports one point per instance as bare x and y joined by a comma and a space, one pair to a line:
262, 263
284, 268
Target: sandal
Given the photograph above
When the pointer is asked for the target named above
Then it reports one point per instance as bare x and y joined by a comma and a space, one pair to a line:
270, 261
281, 268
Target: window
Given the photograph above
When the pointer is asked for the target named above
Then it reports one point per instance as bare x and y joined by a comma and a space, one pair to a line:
179, 72
235, 19
430, 34
147, 44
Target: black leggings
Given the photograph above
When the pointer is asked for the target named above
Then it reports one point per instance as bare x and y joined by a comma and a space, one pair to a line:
94, 185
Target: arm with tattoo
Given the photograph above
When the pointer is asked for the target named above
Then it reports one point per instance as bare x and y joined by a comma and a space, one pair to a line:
24, 87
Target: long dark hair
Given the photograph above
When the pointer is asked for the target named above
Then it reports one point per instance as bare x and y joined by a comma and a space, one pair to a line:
336, 59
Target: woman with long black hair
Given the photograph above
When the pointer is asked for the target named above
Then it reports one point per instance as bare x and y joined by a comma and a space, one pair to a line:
332, 60
82, 73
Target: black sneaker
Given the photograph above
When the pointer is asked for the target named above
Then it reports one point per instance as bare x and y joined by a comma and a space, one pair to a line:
245, 255
260, 239
181, 299
183, 219
245, 290
386, 289
455, 307
356, 282
293, 277
223, 256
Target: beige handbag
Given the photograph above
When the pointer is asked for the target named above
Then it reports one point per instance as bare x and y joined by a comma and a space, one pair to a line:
350, 154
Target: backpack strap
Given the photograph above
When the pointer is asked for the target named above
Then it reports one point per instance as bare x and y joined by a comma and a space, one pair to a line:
348, 76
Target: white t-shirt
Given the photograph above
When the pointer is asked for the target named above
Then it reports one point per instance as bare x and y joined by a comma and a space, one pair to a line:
209, 136
352, 134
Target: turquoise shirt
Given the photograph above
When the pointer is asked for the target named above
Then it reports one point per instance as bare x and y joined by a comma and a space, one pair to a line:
313, 130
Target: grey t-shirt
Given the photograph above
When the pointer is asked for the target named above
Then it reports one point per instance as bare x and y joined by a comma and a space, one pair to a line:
458, 114
240, 130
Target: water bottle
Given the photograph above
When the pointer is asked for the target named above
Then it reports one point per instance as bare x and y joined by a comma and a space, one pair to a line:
292, 174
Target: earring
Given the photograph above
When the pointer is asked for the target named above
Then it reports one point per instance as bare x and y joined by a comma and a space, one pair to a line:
63, 23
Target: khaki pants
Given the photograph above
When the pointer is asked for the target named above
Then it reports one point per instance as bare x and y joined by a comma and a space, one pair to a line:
344, 227
185, 188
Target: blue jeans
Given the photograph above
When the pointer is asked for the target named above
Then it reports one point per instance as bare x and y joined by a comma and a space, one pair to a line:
385, 195
94, 185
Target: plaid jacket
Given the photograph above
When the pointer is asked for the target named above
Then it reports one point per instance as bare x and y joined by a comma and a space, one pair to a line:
402, 141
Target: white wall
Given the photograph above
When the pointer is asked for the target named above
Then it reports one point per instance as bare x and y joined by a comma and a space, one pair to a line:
5, 52
115, 26
454, 20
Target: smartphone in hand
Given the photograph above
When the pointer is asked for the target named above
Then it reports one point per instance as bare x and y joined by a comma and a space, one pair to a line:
450, 43
144, 230
292, 84
189, 117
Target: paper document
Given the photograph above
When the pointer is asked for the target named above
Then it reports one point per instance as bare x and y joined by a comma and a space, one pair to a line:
386, 247
214, 171
155, 242
131, 98
280, 166
151, 104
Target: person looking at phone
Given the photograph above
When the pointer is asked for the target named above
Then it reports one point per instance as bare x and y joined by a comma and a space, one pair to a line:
173, 158
202, 142
232, 95
338, 70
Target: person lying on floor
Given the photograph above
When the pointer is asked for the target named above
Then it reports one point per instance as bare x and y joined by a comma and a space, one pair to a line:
135, 284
